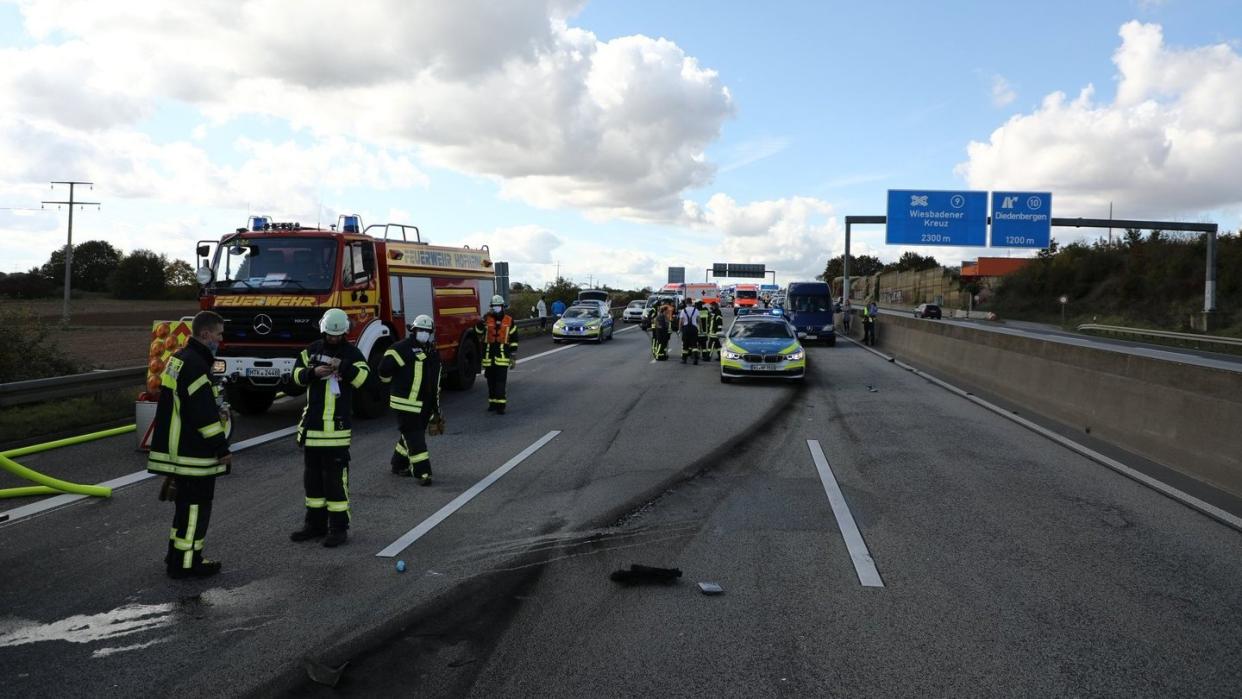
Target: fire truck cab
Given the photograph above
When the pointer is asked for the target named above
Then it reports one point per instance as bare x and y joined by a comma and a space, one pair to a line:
272, 282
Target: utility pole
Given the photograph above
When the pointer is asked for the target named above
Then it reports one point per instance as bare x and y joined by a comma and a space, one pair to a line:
64, 318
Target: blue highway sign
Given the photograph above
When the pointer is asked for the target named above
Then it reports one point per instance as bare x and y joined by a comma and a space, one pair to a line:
1021, 219
930, 217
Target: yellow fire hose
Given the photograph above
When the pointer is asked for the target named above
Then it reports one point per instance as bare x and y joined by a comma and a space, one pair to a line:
47, 484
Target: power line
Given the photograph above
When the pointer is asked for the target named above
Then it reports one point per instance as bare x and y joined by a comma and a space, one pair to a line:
64, 319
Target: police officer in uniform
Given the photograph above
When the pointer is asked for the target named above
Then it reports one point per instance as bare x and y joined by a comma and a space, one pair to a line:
500, 343
331, 369
411, 367
870, 311
188, 444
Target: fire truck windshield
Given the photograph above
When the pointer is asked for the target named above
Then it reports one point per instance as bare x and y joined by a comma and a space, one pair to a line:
301, 264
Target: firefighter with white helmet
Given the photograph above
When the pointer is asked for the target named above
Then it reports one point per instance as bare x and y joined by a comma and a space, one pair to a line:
500, 342
331, 368
411, 368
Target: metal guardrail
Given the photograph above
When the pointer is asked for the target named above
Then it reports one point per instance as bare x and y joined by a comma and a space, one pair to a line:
1166, 334
38, 390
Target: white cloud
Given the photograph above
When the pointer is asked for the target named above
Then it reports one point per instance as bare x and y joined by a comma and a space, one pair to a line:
794, 236
1167, 145
507, 90
529, 244
1002, 91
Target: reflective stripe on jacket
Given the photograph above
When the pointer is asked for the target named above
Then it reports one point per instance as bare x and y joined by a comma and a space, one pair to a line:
187, 437
500, 340
413, 375
326, 419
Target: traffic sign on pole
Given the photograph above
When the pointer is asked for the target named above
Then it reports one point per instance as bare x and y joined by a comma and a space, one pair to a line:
1021, 219
933, 217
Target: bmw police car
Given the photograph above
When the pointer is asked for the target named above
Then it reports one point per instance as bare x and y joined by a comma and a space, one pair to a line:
761, 345
584, 322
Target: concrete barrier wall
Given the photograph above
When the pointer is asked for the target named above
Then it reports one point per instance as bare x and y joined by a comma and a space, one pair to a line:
1185, 417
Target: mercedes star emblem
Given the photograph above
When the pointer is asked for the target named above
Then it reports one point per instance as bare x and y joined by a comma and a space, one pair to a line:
263, 324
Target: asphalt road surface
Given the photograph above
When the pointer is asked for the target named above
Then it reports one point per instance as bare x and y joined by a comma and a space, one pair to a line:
874, 535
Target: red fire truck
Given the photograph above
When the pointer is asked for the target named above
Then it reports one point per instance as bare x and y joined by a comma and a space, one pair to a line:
273, 281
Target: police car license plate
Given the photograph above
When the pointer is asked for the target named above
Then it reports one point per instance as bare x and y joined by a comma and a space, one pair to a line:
765, 367
263, 372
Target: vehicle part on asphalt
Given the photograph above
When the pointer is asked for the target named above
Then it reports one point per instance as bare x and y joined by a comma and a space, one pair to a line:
710, 588
640, 574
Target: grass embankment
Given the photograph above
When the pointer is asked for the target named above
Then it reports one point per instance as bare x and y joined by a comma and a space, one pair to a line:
117, 336
36, 421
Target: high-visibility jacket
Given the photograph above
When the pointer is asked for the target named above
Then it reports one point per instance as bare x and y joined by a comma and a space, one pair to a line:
187, 437
500, 339
664, 317
712, 323
326, 418
413, 377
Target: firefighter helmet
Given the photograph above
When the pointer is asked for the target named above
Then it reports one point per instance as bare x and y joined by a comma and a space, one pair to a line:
334, 322
423, 322
498, 300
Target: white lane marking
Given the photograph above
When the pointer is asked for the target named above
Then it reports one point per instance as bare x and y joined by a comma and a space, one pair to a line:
430, 523
523, 360
1159, 486
59, 501
263, 439
863, 565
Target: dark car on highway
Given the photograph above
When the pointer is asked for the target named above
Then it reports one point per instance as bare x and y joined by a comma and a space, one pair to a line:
927, 310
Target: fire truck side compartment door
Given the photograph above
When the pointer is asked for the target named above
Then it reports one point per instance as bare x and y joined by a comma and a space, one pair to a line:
416, 297
487, 288
395, 295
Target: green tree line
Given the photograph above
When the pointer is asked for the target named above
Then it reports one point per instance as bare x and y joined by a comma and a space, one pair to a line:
100, 267
1155, 280
866, 265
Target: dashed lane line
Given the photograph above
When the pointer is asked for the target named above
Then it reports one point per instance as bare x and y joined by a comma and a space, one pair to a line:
458, 502
864, 566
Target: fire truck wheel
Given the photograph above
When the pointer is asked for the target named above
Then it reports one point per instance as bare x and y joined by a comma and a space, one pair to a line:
250, 401
462, 377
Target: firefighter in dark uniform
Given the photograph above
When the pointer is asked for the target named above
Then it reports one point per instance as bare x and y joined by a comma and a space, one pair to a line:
704, 324
411, 368
500, 343
712, 324
188, 444
331, 369
662, 330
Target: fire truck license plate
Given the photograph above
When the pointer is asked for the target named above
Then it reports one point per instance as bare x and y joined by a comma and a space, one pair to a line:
263, 372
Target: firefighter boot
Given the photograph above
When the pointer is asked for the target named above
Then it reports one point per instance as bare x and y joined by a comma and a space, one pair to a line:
202, 569
336, 537
315, 526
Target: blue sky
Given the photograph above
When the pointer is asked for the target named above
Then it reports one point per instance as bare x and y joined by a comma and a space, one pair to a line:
616, 138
